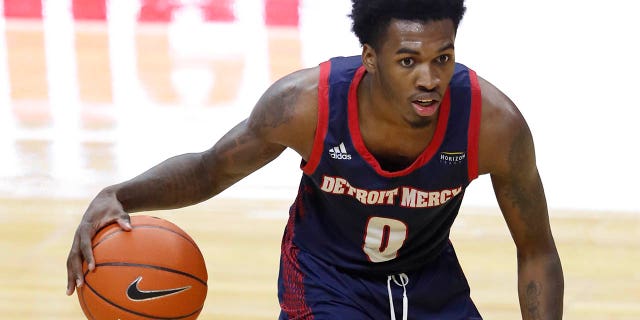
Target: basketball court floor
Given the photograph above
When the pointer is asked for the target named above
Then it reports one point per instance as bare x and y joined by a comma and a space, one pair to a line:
92, 94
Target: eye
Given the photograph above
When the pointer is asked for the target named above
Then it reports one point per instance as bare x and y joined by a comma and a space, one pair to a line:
406, 62
443, 59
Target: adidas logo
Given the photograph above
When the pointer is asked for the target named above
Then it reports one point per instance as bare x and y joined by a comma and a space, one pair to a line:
339, 152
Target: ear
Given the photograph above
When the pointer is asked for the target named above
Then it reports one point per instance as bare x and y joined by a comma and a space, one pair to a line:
369, 58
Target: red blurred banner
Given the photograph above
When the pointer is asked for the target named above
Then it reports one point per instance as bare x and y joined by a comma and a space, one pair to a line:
23, 8
277, 12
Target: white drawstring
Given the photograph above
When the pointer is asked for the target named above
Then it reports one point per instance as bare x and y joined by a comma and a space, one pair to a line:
404, 280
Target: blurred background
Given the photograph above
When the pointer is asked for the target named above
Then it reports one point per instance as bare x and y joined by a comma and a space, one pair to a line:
78, 78
93, 92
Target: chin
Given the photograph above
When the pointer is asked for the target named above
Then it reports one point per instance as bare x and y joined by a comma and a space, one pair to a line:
420, 122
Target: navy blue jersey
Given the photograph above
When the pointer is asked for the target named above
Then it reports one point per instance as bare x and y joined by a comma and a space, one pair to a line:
355, 215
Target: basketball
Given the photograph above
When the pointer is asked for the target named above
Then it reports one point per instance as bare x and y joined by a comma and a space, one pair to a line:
155, 271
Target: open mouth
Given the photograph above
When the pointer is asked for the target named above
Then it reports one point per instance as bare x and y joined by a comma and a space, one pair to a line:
425, 102
426, 107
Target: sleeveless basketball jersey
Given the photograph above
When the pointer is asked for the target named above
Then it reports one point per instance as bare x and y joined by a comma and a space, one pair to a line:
355, 215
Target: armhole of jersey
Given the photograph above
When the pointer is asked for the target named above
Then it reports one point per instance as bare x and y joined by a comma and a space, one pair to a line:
323, 120
474, 126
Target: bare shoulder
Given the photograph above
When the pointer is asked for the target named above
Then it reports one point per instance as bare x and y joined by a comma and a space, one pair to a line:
505, 138
287, 112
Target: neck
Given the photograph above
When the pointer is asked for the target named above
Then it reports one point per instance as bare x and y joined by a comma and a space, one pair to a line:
373, 103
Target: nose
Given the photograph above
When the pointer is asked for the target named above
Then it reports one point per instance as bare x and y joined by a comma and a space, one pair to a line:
427, 78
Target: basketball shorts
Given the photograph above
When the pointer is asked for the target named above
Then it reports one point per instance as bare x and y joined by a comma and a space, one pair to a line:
309, 288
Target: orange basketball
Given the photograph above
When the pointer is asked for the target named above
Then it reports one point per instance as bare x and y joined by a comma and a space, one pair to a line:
155, 271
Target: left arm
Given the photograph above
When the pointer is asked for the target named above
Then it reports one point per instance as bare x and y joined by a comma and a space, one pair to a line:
507, 153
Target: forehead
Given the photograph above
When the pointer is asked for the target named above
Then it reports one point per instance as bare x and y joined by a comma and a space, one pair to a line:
418, 34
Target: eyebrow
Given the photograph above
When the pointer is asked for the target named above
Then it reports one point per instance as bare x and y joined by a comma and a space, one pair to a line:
405, 50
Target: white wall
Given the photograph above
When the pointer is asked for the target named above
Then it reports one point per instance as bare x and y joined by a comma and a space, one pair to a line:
570, 66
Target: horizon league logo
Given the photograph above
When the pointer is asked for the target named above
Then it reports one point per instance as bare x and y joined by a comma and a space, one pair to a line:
452, 157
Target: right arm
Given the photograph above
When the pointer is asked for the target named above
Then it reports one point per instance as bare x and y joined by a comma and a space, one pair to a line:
285, 116
194, 177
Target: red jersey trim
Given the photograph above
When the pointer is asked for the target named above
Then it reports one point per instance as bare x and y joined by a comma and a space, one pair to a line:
427, 154
293, 303
473, 139
323, 120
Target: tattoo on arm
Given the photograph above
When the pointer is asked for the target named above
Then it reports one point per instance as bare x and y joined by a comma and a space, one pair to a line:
532, 300
244, 143
527, 198
279, 108
275, 108
242, 150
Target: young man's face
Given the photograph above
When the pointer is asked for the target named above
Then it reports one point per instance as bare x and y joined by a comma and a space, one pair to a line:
413, 66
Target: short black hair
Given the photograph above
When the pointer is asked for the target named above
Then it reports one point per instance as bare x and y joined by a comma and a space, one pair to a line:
372, 17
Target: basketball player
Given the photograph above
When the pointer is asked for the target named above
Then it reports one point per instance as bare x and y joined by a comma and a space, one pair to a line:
389, 141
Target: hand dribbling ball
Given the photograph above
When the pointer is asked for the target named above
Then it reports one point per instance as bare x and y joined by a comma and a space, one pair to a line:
155, 271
